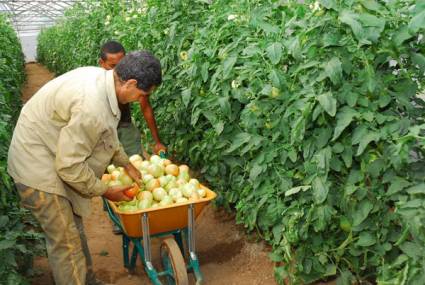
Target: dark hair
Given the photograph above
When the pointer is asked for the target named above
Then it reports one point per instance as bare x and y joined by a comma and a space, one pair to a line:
142, 66
111, 47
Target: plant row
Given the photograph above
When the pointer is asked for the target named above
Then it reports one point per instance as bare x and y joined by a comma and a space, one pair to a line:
19, 242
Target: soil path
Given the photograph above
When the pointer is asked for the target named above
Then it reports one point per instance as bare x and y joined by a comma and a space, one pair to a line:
37, 76
227, 257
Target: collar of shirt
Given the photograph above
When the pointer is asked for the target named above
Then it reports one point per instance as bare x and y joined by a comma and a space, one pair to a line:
112, 96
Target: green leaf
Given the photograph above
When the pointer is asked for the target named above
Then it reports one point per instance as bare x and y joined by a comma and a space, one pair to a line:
274, 52
275, 78
343, 119
3, 221
225, 106
306, 65
297, 189
384, 100
358, 133
228, 65
338, 148
347, 156
365, 140
362, 212
268, 28
417, 189
419, 60
333, 70
366, 239
368, 116
411, 249
276, 257
401, 35
397, 184
370, 78
293, 46
351, 19
6, 244
345, 278
323, 138
373, 25
219, 127
329, 4
204, 71
322, 216
328, 103
256, 170
238, 141
186, 94
415, 204
331, 39
320, 190
351, 99
417, 23
322, 159
372, 5
330, 270
292, 154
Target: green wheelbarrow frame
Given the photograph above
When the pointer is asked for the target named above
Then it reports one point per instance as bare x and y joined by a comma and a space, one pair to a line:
142, 248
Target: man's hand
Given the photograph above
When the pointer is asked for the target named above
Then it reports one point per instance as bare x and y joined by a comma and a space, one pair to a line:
158, 147
133, 172
146, 108
116, 193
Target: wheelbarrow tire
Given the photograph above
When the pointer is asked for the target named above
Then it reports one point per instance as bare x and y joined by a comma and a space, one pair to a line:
170, 249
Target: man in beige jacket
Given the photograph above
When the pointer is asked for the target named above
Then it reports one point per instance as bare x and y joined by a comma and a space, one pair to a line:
65, 137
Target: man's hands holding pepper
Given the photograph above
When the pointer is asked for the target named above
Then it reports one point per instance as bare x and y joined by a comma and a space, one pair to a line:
116, 193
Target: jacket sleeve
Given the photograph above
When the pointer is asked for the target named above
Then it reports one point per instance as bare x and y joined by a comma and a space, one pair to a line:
76, 142
120, 158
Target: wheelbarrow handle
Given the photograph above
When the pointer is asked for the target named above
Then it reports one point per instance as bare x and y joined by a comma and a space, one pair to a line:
112, 215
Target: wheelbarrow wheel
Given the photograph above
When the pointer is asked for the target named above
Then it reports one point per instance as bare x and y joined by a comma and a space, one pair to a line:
173, 262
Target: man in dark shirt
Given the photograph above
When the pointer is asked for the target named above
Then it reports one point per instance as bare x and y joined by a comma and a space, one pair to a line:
129, 135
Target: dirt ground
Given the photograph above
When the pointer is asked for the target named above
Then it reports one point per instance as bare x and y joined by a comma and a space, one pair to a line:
226, 256
37, 76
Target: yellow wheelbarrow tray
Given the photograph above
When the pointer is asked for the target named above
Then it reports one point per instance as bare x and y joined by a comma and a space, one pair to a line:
163, 218
164, 221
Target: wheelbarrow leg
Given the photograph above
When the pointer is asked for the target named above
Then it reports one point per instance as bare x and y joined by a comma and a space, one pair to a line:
193, 259
125, 251
134, 255
179, 239
145, 251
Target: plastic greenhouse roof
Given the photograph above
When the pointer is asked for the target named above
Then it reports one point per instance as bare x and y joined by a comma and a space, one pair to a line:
29, 16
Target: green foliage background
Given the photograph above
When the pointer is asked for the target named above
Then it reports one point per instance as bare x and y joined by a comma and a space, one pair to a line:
18, 241
303, 115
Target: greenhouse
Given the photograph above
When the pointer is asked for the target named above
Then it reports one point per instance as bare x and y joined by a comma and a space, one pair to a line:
212, 142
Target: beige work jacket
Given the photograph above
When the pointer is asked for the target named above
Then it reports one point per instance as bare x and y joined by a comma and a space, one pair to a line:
66, 136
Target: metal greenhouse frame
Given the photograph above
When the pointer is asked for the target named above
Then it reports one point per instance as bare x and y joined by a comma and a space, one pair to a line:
29, 16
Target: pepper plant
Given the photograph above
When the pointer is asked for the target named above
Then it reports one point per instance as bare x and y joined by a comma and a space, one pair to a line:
19, 241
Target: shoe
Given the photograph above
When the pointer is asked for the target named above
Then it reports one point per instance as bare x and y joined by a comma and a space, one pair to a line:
116, 230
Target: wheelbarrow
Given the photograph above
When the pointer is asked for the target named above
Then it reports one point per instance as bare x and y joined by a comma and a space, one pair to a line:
174, 223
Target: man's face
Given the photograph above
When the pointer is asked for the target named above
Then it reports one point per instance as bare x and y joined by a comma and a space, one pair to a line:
129, 92
111, 60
